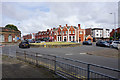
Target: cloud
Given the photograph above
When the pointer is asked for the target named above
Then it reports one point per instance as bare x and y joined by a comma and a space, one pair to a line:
37, 16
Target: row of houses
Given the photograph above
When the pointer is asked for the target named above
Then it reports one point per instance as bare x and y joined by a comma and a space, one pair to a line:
70, 34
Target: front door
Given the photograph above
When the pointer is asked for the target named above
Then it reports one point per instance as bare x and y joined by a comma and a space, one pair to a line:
79, 39
65, 39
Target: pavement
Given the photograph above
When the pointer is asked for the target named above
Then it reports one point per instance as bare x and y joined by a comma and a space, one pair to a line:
12, 68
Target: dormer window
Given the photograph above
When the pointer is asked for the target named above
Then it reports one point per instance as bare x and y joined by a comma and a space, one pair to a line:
73, 32
70, 32
80, 32
66, 32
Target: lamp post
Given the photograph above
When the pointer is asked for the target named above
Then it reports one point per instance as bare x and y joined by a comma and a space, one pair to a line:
114, 23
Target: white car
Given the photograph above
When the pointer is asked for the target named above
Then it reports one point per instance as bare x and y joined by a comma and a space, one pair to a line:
115, 44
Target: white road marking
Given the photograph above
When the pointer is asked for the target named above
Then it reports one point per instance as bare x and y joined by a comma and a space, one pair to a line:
40, 55
69, 54
83, 53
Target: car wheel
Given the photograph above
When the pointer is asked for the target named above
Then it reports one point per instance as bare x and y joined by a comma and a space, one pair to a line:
28, 46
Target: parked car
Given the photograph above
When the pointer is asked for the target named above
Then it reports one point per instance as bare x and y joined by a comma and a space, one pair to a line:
24, 44
102, 44
110, 41
115, 44
31, 41
37, 41
87, 43
42, 41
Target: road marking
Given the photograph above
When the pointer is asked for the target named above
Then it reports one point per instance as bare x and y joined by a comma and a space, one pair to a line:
69, 54
83, 53
40, 55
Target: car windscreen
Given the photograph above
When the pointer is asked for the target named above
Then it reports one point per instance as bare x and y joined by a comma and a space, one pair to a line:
117, 42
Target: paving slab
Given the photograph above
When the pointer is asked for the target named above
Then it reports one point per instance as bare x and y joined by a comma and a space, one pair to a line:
12, 68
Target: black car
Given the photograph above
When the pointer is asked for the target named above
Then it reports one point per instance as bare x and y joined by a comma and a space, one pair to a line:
103, 44
87, 43
37, 41
110, 41
24, 44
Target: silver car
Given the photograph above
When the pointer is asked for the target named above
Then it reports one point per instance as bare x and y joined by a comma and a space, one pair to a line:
115, 44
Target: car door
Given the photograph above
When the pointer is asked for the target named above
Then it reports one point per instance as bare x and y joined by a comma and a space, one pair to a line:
115, 44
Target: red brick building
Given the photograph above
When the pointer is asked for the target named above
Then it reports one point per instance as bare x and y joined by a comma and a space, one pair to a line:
28, 36
65, 33
112, 33
9, 35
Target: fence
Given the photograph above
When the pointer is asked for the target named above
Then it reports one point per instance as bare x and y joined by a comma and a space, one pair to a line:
69, 68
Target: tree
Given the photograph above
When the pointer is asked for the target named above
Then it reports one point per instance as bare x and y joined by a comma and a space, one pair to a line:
11, 26
111, 38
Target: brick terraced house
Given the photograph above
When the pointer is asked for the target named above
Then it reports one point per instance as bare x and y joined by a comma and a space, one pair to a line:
112, 33
8, 35
65, 34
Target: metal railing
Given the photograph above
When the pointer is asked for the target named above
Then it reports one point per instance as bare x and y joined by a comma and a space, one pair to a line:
69, 68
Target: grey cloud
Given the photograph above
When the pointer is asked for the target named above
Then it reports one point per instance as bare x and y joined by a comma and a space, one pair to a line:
84, 13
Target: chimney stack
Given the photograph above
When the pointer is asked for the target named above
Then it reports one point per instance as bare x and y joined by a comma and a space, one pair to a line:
53, 28
59, 25
79, 26
66, 25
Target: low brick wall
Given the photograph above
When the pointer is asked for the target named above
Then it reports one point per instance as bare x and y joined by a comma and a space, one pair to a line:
56, 46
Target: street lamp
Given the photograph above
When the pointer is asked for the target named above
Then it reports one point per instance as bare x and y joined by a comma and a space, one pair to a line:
114, 23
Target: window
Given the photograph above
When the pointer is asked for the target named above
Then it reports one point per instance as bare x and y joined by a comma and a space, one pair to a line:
97, 34
70, 38
73, 38
60, 39
70, 32
66, 32
15, 38
63, 32
80, 32
97, 30
100, 35
10, 38
1, 38
73, 32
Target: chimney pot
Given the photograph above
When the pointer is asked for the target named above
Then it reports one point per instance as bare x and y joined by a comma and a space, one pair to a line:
79, 26
66, 25
59, 25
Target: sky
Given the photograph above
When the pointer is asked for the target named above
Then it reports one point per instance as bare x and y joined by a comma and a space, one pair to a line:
31, 17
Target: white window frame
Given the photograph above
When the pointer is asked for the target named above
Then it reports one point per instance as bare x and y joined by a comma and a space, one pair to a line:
70, 32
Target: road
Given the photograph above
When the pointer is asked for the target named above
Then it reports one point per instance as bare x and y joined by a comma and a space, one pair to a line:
76, 53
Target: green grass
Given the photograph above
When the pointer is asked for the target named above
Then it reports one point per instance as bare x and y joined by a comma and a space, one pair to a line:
53, 43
